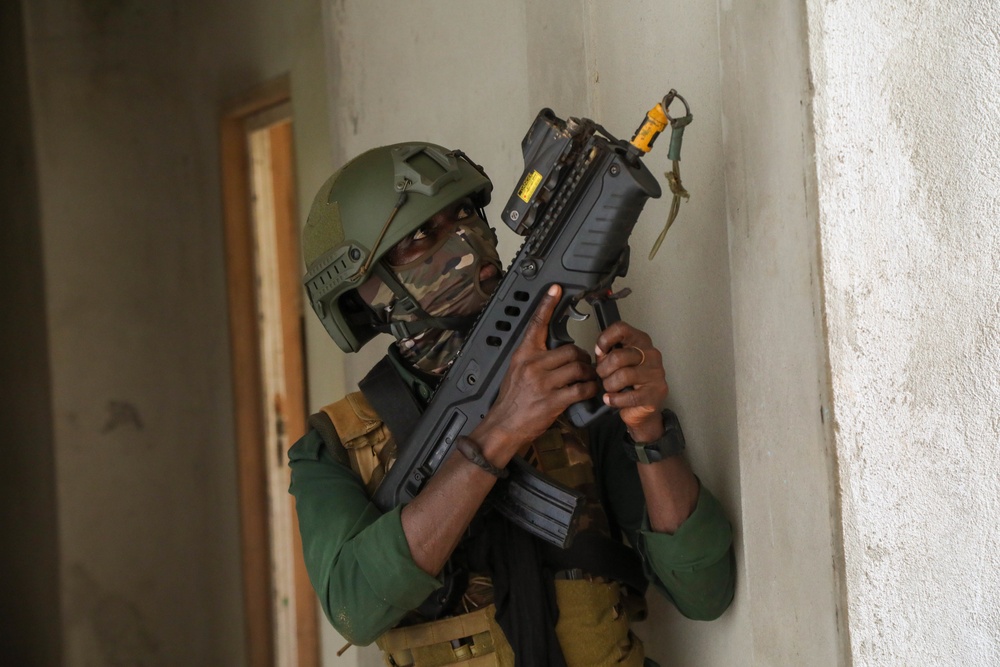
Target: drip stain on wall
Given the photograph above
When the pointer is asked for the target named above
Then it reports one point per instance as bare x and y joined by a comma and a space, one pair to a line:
111, 625
122, 414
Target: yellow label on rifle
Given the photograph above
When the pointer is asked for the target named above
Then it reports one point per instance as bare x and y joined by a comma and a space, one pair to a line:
529, 186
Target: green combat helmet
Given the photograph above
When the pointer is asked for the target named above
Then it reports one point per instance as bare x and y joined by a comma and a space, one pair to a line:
360, 213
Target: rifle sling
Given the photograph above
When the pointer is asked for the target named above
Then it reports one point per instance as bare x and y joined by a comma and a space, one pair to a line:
392, 400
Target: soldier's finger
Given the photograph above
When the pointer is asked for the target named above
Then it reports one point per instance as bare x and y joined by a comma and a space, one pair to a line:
576, 392
621, 333
562, 355
570, 373
536, 334
626, 357
632, 377
638, 398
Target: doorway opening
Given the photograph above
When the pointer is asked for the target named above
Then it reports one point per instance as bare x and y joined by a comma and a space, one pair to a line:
268, 371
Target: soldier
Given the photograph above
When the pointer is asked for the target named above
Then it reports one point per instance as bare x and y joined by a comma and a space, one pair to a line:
437, 581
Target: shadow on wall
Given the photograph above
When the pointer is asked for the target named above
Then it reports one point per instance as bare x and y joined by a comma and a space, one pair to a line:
29, 549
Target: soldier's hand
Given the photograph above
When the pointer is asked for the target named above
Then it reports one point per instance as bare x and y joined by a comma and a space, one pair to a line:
631, 369
541, 383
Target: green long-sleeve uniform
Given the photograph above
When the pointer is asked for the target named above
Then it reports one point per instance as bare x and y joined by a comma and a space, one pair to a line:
360, 564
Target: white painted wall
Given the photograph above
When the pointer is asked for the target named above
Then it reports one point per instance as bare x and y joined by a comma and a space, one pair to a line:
791, 593
907, 152
473, 75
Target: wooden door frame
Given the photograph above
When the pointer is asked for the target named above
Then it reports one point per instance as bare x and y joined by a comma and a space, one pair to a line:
248, 401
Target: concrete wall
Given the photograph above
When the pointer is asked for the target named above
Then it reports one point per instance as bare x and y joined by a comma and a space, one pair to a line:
907, 151
29, 542
127, 98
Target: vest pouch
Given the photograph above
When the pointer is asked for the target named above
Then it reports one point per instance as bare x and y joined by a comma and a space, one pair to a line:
472, 639
593, 627
368, 442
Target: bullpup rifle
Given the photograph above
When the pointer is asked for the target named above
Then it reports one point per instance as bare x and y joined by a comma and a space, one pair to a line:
580, 196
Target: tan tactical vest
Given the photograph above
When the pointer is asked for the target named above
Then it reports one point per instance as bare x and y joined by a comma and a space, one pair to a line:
593, 627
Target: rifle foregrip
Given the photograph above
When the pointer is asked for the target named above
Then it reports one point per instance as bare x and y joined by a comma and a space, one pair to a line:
586, 411
583, 412
606, 311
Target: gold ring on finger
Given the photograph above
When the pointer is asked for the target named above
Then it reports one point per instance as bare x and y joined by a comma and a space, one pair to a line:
643, 359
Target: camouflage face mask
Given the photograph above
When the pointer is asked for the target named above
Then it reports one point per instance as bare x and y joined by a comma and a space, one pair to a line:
445, 282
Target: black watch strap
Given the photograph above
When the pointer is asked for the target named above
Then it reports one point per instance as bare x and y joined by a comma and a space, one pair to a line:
671, 443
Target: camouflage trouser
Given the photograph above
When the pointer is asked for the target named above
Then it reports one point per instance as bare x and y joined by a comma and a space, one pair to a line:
593, 631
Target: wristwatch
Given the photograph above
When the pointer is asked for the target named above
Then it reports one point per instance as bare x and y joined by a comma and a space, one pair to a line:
671, 443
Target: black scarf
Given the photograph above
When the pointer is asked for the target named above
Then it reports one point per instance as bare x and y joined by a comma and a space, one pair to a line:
523, 591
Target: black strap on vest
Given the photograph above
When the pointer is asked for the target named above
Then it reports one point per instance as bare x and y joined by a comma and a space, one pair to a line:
391, 399
598, 555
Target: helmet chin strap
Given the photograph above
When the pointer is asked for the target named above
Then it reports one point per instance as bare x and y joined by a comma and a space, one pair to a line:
405, 303
401, 330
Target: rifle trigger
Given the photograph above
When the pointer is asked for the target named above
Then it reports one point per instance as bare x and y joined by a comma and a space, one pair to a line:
576, 315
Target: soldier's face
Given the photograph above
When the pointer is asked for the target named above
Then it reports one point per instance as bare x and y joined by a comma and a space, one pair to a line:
436, 236
450, 266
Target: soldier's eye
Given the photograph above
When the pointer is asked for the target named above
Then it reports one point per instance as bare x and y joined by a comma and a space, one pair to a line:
419, 235
464, 211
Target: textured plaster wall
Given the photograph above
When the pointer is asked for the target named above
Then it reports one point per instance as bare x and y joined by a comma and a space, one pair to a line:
126, 99
907, 150
473, 75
